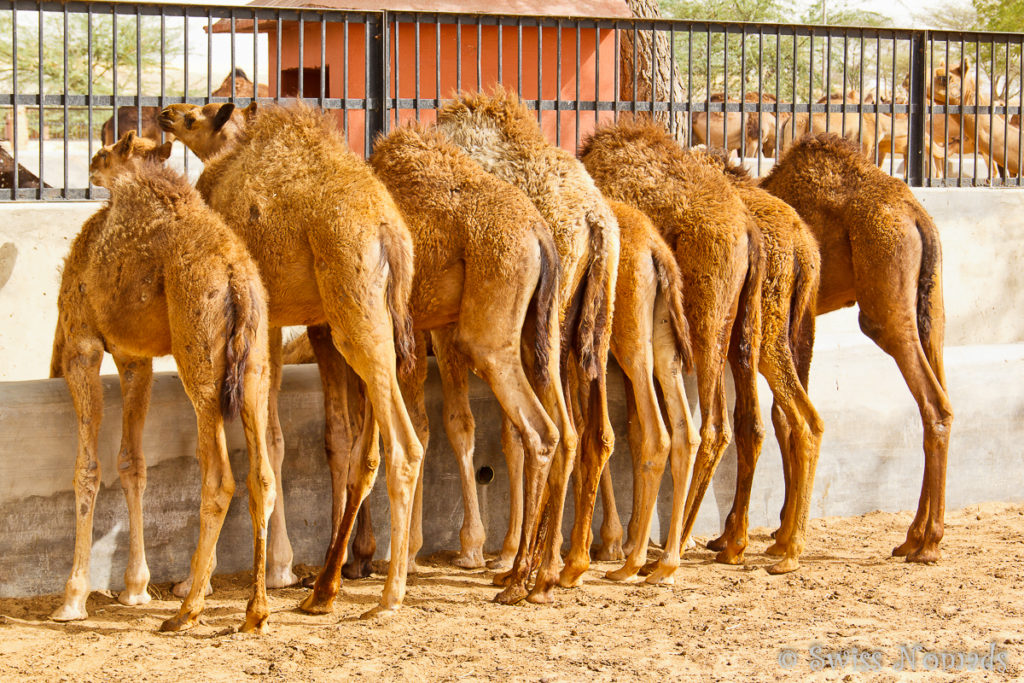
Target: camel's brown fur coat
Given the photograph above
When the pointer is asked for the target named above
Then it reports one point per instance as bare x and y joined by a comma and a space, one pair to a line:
333, 249
156, 272
880, 250
503, 136
718, 249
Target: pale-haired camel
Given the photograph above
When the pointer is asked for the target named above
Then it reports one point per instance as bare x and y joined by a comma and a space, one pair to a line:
791, 277
718, 249
156, 272
503, 136
996, 139
332, 249
744, 132
484, 256
880, 250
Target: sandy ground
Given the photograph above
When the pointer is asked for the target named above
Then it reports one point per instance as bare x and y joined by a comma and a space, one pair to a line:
716, 623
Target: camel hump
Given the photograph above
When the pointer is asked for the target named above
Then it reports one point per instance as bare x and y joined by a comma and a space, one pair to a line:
670, 282
242, 309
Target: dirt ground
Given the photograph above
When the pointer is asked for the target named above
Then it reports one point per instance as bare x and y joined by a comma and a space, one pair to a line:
850, 600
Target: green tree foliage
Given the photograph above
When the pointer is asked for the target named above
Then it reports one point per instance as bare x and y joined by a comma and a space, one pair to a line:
1000, 15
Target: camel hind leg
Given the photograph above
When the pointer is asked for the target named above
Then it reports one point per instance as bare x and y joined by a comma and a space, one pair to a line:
279, 547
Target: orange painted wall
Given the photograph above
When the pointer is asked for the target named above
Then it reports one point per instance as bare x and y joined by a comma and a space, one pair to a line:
593, 73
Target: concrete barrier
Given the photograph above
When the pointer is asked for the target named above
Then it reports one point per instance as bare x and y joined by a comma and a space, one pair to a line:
871, 456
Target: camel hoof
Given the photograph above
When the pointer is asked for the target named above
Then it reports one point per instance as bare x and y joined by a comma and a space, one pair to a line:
718, 544
729, 557
542, 593
662, 575
648, 568
412, 568
626, 573
512, 595
471, 560
502, 578
181, 590
255, 624
316, 605
281, 577
925, 556
775, 550
906, 548
787, 565
501, 564
571, 578
133, 598
357, 569
612, 552
379, 611
178, 623
68, 612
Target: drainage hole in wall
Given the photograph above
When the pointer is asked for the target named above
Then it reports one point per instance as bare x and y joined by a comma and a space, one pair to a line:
484, 475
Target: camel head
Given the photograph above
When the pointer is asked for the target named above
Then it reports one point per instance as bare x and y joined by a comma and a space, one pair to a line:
949, 83
206, 130
124, 156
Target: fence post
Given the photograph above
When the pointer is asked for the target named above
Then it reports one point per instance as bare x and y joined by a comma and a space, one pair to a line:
377, 78
916, 119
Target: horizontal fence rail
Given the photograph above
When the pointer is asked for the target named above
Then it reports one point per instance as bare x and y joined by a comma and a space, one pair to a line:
934, 108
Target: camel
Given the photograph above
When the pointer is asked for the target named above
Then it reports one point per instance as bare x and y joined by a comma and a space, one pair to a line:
25, 177
718, 249
744, 133
151, 273
859, 129
895, 138
884, 255
144, 119
333, 249
791, 277
477, 241
997, 141
499, 132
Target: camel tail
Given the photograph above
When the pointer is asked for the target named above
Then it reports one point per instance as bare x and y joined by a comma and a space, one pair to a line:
749, 309
803, 299
930, 313
546, 307
57, 357
243, 313
671, 284
596, 304
396, 254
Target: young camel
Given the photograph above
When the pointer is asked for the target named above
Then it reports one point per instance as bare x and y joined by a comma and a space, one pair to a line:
718, 249
791, 277
483, 257
503, 136
333, 249
884, 255
996, 140
156, 272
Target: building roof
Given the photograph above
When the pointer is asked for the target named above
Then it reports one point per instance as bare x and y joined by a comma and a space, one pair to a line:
549, 8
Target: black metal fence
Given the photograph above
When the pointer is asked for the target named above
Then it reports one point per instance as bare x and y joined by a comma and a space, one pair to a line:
67, 67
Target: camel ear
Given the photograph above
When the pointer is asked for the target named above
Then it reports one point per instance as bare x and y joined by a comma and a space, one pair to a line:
222, 115
125, 144
162, 152
249, 113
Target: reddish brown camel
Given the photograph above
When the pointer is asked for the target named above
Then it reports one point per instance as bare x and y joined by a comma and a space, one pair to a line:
156, 272
718, 249
484, 257
880, 250
503, 136
333, 249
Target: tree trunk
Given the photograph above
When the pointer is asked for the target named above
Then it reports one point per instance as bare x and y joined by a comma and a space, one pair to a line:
649, 78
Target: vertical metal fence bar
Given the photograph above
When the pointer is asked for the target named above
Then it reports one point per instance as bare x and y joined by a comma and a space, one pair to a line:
796, 72
395, 67
827, 63
519, 56
558, 83
945, 123
878, 97
501, 51
117, 133
64, 194
707, 92
597, 73
209, 52
540, 72
347, 65
636, 68
689, 86
977, 114
416, 86
184, 87
776, 153
991, 106
1006, 114
437, 57
810, 87
760, 99
892, 138
654, 72
576, 144
846, 54
1020, 117
672, 81
860, 89
277, 54
479, 53
302, 54
458, 54
323, 61
163, 57
743, 96
255, 55
138, 69
725, 89
231, 72
14, 105
88, 99
960, 121
916, 116
616, 65
42, 111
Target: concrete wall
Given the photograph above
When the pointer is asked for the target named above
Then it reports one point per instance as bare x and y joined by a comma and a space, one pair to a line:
871, 456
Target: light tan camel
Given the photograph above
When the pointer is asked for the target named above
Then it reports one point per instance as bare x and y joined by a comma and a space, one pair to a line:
748, 133
996, 139
880, 250
151, 273
332, 249
859, 129
791, 277
503, 136
484, 256
718, 249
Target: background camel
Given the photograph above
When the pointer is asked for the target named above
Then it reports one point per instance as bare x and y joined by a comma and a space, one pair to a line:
718, 249
483, 257
995, 138
128, 118
858, 129
746, 134
880, 250
156, 272
332, 249
503, 136
791, 276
